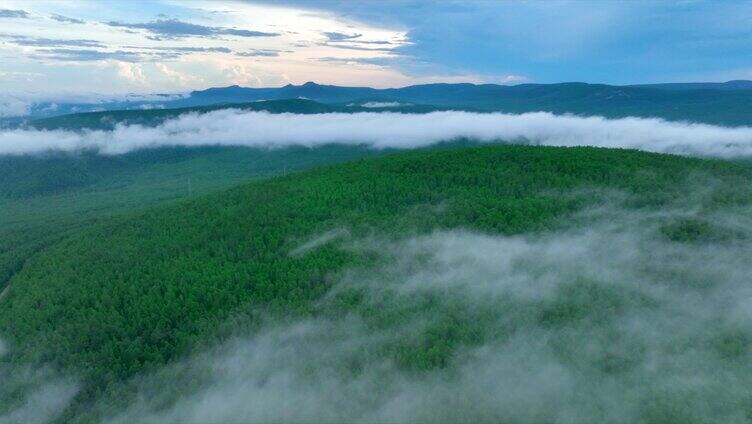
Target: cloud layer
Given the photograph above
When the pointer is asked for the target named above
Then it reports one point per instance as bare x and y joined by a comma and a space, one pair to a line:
392, 130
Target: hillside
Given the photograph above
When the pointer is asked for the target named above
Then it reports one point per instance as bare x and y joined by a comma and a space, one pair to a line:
43, 197
121, 299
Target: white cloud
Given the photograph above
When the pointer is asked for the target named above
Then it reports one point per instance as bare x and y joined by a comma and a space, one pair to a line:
131, 72
376, 105
393, 130
13, 106
42, 393
181, 78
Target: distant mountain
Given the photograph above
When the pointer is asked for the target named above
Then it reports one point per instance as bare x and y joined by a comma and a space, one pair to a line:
728, 85
106, 120
309, 90
723, 106
726, 104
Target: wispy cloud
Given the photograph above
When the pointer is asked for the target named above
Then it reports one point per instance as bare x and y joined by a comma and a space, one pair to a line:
338, 36
83, 55
360, 48
50, 42
10, 13
184, 49
355, 42
259, 53
65, 19
174, 28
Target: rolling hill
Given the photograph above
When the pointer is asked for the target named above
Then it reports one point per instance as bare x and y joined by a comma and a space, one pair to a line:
112, 302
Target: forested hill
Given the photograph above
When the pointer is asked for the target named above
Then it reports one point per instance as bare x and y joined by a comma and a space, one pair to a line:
130, 295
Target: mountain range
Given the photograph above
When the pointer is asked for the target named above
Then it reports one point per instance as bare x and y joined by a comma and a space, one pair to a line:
715, 103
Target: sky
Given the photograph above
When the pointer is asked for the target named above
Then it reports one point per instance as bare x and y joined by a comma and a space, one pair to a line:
53, 48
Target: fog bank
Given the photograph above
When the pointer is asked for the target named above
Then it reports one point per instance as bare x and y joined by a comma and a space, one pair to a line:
32, 394
392, 130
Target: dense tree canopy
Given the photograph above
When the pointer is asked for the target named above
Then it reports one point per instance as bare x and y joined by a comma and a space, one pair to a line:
130, 294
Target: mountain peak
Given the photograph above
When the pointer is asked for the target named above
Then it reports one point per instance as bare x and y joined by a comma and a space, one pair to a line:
310, 84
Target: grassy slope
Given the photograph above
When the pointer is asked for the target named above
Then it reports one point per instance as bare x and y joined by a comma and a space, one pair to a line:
134, 293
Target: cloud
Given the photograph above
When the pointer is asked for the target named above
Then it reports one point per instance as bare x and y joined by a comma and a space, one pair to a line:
83, 55
51, 42
377, 61
377, 105
131, 72
65, 19
393, 130
182, 50
338, 36
259, 53
174, 28
12, 107
39, 394
320, 240
9, 13
198, 49
130, 54
360, 48
354, 42
180, 78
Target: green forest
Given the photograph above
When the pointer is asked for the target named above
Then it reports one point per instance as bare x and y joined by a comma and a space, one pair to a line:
110, 299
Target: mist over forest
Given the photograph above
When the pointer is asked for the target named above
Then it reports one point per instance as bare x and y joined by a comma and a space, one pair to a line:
375, 212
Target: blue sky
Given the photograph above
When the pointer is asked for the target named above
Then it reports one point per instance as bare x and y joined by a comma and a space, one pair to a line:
78, 47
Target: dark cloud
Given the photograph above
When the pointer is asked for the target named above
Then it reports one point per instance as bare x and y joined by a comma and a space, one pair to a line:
338, 36
61, 18
174, 28
10, 13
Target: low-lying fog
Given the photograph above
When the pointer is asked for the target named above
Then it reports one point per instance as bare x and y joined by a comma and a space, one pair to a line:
396, 130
